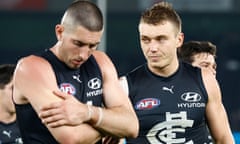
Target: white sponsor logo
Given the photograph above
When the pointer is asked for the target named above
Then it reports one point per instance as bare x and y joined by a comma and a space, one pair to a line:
94, 93
77, 78
168, 89
191, 105
94, 83
191, 97
7, 133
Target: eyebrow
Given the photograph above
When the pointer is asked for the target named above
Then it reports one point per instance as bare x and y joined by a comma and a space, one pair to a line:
78, 42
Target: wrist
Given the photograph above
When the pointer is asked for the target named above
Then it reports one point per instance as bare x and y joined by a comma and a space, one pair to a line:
100, 117
95, 115
90, 112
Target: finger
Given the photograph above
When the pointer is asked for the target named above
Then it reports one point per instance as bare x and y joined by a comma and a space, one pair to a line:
49, 112
60, 94
52, 119
57, 123
54, 105
107, 140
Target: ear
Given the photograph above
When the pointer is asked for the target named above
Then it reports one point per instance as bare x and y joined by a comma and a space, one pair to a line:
180, 39
59, 31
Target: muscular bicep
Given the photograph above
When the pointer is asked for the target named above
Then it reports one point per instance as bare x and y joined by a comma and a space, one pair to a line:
34, 82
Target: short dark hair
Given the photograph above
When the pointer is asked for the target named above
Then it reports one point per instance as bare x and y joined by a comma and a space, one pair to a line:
160, 12
6, 74
84, 13
190, 48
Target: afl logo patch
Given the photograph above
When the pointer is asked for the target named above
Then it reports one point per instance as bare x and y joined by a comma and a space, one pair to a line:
94, 83
147, 103
191, 97
68, 88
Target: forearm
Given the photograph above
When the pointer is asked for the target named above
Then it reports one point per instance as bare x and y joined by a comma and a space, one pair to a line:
114, 121
226, 140
227, 137
80, 134
89, 134
219, 125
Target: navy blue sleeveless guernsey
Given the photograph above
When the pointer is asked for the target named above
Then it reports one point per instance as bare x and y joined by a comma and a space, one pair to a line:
171, 110
9, 133
85, 83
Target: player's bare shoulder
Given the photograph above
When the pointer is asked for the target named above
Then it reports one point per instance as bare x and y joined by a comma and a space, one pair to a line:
32, 64
103, 59
100, 56
211, 84
208, 76
107, 67
30, 70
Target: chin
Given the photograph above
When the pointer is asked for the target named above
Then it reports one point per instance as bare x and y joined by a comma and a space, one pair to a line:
75, 66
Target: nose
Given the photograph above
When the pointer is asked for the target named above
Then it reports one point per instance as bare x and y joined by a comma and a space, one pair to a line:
214, 71
84, 53
153, 46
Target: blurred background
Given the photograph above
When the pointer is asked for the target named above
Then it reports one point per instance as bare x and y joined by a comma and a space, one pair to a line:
27, 26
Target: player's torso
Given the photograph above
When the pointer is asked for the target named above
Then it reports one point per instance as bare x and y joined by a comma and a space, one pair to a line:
170, 110
84, 83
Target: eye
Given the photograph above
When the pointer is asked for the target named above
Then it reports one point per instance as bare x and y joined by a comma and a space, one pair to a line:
215, 66
78, 43
93, 46
161, 38
145, 40
204, 65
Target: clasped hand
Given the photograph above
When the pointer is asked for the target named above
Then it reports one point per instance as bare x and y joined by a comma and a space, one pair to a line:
69, 111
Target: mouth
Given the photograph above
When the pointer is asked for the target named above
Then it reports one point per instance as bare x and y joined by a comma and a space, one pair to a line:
77, 62
153, 57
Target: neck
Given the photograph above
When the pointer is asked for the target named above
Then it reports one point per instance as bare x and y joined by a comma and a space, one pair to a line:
7, 117
166, 70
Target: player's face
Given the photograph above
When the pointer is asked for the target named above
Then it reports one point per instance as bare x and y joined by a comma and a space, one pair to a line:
6, 94
159, 44
205, 60
78, 45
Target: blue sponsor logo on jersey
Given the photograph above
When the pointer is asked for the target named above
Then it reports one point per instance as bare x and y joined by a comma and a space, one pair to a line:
68, 88
147, 103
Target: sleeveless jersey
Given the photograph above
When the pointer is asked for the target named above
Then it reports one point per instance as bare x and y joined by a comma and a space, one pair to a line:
85, 83
171, 110
10, 134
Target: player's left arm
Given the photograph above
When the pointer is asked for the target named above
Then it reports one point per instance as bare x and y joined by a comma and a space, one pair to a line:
215, 112
119, 111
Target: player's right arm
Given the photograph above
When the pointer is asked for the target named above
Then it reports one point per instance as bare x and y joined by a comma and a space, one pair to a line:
216, 115
34, 83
